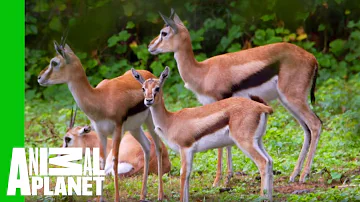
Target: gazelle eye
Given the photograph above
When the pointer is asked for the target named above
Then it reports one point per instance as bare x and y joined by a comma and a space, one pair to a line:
54, 63
157, 89
143, 89
163, 33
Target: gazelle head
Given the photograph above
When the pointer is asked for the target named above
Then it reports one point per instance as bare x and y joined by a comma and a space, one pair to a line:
74, 134
171, 36
60, 68
73, 137
152, 88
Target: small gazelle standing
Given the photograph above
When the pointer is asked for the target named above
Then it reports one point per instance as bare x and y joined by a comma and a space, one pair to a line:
202, 128
281, 70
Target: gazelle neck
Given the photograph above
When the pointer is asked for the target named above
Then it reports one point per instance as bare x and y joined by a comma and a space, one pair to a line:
160, 114
190, 70
81, 90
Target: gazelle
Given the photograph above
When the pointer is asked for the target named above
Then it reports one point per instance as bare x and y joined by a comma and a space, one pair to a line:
202, 128
280, 70
131, 157
113, 107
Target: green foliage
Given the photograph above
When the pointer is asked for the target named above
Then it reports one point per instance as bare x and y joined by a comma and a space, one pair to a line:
120, 42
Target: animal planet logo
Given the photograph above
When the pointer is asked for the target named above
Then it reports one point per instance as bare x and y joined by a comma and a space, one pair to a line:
40, 171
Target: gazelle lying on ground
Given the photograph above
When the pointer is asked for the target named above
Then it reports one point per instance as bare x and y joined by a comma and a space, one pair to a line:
113, 107
198, 129
131, 157
280, 70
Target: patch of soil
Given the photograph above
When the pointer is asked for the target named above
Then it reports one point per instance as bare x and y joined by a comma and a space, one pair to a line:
300, 188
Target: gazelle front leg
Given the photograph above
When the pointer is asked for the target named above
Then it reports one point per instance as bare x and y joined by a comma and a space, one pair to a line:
115, 152
145, 145
186, 155
230, 171
102, 146
158, 150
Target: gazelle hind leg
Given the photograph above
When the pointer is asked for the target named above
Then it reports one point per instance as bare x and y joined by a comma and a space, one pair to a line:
219, 168
230, 172
116, 147
260, 133
307, 137
248, 140
311, 125
158, 149
139, 135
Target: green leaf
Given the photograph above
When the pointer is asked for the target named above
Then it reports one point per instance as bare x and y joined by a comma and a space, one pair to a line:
124, 35
55, 24
112, 41
234, 32
129, 8
130, 25
321, 27
335, 175
219, 23
337, 46
234, 47
266, 18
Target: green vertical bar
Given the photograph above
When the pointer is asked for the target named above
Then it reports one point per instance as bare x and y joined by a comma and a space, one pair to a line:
12, 54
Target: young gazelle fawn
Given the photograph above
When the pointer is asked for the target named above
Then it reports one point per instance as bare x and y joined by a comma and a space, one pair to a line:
198, 129
113, 107
281, 70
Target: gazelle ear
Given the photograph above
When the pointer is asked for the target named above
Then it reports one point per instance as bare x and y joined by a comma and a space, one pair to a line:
164, 74
61, 51
68, 49
169, 22
177, 20
137, 76
84, 130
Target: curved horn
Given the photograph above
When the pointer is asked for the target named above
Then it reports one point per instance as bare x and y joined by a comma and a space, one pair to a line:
72, 117
172, 14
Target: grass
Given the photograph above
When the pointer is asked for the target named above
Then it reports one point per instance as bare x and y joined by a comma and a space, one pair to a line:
335, 172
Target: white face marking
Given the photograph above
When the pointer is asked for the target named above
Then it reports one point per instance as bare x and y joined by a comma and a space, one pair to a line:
55, 62
70, 143
81, 131
267, 91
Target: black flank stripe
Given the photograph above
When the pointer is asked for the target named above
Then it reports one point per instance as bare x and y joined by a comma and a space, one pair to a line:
254, 80
140, 107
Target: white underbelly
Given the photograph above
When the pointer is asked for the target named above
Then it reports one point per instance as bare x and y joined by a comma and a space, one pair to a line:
103, 127
135, 121
266, 91
203, 99
218, 139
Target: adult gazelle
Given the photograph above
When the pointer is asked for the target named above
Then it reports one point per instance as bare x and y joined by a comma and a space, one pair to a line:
281, 70
113, 107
